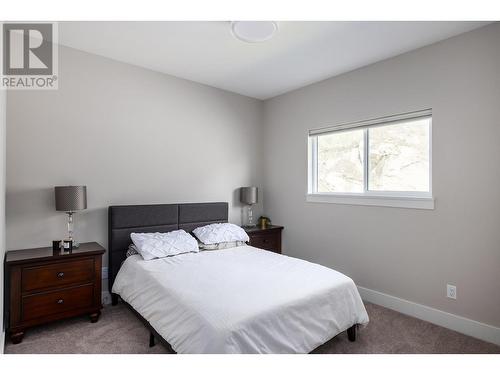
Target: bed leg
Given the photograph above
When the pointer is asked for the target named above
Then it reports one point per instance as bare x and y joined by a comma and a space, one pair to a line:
351, 333
151, 340
114, 299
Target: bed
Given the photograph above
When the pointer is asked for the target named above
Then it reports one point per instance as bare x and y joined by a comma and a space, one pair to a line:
236, 300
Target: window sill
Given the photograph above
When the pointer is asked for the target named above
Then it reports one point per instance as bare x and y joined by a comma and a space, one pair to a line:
422, 203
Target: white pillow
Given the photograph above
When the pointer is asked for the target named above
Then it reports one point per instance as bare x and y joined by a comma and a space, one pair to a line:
160, 245
217, 233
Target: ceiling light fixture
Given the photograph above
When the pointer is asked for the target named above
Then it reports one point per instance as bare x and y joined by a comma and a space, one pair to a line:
254, 31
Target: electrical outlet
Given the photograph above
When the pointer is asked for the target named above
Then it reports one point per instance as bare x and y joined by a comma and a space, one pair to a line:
451, 291
106, 298
104, 272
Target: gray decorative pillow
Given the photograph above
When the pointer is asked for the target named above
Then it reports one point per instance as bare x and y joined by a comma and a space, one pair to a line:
221, 245
132, 250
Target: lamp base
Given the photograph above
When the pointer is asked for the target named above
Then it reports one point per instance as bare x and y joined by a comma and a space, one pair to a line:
74, 244
247, 217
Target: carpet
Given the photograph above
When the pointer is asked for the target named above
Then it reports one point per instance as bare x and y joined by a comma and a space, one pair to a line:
119, 331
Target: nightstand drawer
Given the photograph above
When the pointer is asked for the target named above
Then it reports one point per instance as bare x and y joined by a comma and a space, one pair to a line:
267, 242
45, 304
57, 275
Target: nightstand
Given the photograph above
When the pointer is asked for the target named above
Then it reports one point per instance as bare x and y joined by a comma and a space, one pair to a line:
268, 238
44, 285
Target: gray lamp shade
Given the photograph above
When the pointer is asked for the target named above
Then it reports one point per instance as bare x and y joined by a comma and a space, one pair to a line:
249, 195
71, 198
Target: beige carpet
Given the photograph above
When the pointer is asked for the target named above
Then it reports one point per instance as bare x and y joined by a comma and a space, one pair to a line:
119, 331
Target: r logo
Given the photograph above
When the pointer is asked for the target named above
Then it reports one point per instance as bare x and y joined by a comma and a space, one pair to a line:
27, 49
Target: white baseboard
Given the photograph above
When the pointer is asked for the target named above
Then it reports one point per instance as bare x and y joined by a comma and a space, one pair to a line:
106, 298
105, 294
441, 318
2, 342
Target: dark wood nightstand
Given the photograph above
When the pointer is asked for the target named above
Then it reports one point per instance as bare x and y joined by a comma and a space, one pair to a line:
268, 238
43, 285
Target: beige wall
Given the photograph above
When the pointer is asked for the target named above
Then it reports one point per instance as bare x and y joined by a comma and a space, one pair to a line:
406, 253
2, 208
132, 136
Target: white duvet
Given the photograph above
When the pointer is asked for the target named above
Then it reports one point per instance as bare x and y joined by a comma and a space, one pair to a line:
240, 300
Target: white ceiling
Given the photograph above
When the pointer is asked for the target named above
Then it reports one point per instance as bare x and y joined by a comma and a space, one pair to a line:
300, 54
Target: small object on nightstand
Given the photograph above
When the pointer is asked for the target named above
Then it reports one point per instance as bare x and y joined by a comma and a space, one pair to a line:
57, 245
45, 285
263, 222
267, 239
67, 245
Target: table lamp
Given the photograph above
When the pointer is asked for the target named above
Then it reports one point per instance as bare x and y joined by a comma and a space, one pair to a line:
249, 196
70, 199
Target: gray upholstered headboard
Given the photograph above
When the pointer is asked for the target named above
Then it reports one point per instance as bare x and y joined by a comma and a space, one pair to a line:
123, 220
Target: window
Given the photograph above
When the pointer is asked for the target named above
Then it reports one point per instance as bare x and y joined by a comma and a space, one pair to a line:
385, 161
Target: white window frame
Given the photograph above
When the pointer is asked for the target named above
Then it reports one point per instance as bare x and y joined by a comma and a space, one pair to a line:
404, 199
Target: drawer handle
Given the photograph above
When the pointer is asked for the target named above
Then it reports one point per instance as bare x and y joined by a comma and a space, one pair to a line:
60, 275
265, 240
60, 301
